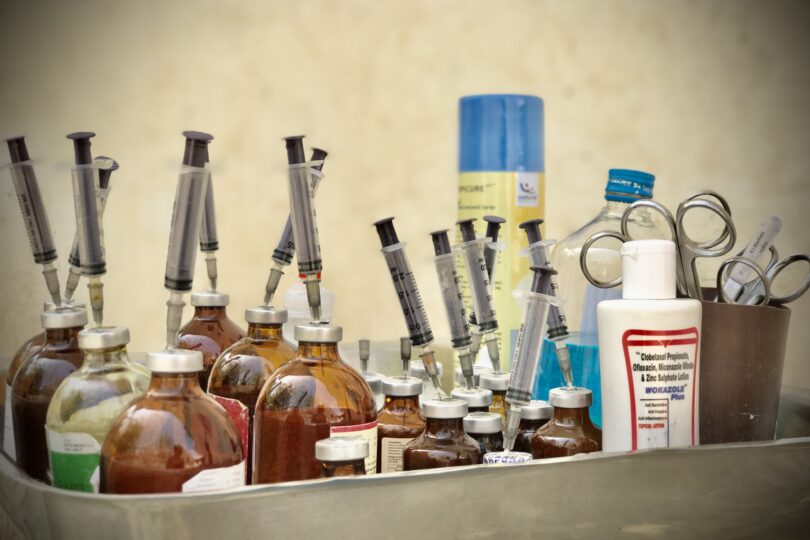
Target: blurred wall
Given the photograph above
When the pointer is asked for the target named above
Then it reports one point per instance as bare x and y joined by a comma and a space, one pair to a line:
703, 94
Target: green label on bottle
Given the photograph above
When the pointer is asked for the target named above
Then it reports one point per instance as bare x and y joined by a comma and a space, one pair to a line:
74, 460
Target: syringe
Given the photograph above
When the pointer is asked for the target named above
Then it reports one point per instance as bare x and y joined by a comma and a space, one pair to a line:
453, 303
285, 250
304, 225
557, 325
405, 354
187, 214
88, 221
491, 249
34, 216
472, 250
527, 350
106, 166
209, 241
410, 301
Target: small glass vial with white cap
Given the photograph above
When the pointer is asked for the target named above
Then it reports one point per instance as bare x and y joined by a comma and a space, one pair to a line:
570, 430
532, 417
497, 383
241, 370
342, 456
209, 331
478, 399
314, 396
36, 382
399, 421
417, 369
443, 443
174, 438
86, 403
487, 429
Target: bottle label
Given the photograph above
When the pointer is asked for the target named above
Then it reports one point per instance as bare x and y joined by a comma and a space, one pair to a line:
216, 479
367, 431
392, 453
662, 375
8, 427
74, 459
240, 415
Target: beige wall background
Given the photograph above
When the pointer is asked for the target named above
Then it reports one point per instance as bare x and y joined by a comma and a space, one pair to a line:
703, 94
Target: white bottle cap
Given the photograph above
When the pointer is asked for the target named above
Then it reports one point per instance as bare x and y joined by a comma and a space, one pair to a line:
648, 270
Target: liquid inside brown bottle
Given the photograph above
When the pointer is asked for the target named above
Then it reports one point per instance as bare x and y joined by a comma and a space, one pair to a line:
312, 397
570, 430
209, 331
343, 468
533, 417
443, 443
486, 428
35, 383
174, 438
26, 351
399, 421
497, 383
241, 371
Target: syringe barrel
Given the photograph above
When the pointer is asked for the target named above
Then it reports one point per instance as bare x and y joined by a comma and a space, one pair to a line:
208, 230
527, 348
557, 323
304, 224
88, 220
408, 293
453, 301
74, 259
187, 215
33, 212
473, 253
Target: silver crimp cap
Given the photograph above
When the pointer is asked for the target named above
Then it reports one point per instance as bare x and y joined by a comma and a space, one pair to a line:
475, 397
444, 408
265, 315
570, 397
174, 361
536, 410
209, 299
318, 333
417, 369
483, 423
402, 386
103, 338
67, 317
341, 449
497, 382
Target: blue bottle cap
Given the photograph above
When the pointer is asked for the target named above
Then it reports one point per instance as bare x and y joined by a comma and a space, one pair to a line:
627, 185
501, 132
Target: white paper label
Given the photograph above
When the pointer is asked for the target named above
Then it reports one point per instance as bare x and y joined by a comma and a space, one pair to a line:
367, 431
216, 479
74, 459
392, 453
8, 427
527, 189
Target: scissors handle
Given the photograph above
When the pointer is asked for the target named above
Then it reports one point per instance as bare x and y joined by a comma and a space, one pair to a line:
725, 269
706, 249
776, 269
655, 207
704, 195
583, 259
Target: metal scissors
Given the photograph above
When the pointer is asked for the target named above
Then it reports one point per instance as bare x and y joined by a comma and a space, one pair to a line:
759, 291
688, 249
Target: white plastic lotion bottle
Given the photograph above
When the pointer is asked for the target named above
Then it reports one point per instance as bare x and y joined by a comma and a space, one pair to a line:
648, 354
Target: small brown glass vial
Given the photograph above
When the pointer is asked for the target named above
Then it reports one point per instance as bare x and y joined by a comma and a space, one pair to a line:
174, 438
26, 351
570, 430
342, 456
498, 383
240, 372
478, 399
209, 331
486, 428
443, 443
532, 417
37, 380
399, 421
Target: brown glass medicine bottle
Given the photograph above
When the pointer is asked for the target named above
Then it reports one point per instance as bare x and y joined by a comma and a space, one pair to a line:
532, 417
37, 380
312, 397
487, 429
399, 421
342, 456
241, 370
570, 430
478, 399
443, 443
209, 331
26, 351
498, 383
174, 438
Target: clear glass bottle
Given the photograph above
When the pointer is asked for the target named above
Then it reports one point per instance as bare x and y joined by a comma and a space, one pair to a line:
314, 396
532, 417
174, 438
86, 403
478, 399
486, 428
342, 456
35, 383
209, 331
570, 430
443, 443
417, 369
497, 383
399, 421
241, 371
